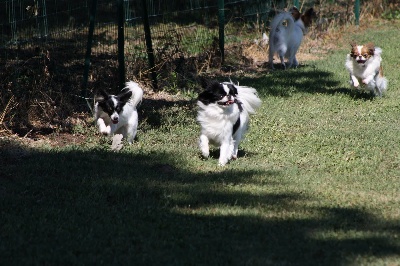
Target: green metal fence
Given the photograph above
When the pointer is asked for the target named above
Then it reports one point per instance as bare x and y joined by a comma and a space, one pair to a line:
28, 23
45, 45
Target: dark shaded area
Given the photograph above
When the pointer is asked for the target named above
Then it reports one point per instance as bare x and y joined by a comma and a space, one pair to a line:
305, 79
83, 207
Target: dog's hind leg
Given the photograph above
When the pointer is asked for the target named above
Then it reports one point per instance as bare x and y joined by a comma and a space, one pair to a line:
295, 62
292, 60
381, 85
131, 134
282, 58
271, 57
235, 145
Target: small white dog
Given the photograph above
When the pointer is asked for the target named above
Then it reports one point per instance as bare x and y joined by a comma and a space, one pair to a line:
224, 113
117, 114
364, 66
286, 35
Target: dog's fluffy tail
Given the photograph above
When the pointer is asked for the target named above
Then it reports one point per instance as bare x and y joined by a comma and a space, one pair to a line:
277, 22
137, 92
249, 98
381, 85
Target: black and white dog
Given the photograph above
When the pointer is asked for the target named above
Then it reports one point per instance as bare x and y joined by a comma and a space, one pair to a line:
117, 114
224, 113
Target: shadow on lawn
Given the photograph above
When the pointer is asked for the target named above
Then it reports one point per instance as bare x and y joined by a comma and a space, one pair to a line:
120, 208
304, 79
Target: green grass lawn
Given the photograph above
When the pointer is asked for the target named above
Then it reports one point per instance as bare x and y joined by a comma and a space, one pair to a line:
317, 182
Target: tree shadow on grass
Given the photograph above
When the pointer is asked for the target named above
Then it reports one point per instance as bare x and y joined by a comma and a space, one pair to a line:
87, 206
160, 112
306, 80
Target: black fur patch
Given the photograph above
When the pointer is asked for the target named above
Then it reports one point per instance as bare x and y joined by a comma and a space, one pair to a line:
213, 93
236, 126
107, 104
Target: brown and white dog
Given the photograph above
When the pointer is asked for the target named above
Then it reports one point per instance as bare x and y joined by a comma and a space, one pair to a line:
286, 35
364, 66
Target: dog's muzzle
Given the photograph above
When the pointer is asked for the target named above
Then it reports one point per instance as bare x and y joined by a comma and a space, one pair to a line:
226, 103
114, 119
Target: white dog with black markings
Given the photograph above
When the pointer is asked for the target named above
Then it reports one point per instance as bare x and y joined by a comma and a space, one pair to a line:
117, 114
224, 113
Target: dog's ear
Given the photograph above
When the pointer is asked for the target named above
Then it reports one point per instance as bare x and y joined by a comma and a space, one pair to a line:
213, 85
232, 89
311, 12
206, 97
125, 95
102, 96
371, 47
353, 44
295, 13
204, 82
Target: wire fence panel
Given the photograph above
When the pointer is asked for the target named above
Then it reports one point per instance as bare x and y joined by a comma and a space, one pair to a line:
43, 43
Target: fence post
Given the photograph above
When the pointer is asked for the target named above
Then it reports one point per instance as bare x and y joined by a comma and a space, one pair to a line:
43, 28
149, 45
89, 47
221, 24
357, 11
121, 44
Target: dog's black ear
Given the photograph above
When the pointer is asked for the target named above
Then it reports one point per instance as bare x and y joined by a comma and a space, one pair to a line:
295, 13
125, 95
206, 97
204, 82
310, 12
232, 89
102, 96
213, 85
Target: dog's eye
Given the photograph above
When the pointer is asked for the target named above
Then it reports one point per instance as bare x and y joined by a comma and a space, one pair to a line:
366, 55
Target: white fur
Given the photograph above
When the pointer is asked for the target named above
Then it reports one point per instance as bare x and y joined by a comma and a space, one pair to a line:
285, 40
217, 123
367, 74
127, 119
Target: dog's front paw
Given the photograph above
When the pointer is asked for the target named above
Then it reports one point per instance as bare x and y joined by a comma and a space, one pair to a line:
356, 84
222, 162
105, 131
205, 154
